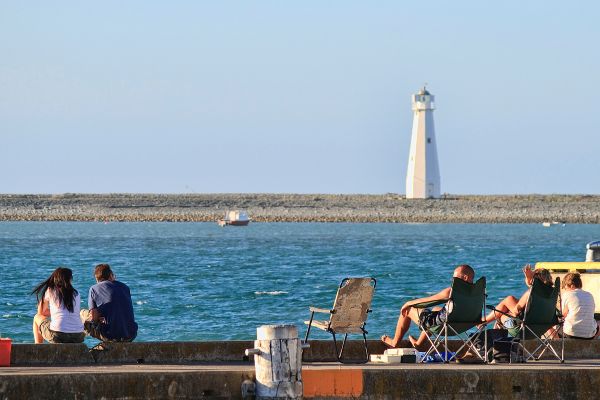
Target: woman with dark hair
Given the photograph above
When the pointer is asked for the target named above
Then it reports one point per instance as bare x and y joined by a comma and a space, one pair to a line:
57, 319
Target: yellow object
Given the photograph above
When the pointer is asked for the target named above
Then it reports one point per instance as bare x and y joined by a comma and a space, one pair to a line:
589, 271
575, 266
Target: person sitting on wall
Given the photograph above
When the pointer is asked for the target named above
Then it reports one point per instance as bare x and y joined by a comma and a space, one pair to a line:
510, 308
110, 316
578, 309
57, 318
426, 318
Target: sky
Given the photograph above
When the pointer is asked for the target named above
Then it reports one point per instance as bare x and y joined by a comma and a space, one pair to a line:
296, 97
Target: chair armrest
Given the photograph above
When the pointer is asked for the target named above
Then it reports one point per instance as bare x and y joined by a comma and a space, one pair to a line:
503, 313
559, 316
320, 310
430, 303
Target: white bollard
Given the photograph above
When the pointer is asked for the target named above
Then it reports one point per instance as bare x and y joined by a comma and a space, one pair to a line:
278, 362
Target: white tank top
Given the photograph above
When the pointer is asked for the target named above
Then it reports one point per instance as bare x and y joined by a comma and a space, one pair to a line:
61, 320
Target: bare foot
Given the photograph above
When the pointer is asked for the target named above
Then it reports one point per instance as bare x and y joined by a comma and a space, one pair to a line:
388, 341
412, 341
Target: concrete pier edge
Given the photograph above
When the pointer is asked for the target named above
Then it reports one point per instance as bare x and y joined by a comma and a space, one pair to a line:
217, 370
216, 352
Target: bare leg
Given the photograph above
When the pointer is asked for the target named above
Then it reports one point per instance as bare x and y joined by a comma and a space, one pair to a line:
423, 336
552, 332
401, 327
418, 342
506, 306
37, 334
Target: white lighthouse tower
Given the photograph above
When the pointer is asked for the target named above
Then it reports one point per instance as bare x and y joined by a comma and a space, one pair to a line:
423, 175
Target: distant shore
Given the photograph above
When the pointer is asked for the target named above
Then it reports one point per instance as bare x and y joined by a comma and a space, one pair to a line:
302, 208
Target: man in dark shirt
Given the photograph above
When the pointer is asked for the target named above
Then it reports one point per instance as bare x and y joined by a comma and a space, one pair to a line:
110, 317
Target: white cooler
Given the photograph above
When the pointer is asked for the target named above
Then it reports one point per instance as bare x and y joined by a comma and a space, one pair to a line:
396, 356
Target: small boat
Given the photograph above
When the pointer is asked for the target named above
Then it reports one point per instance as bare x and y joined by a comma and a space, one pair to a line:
549, 224
234, 218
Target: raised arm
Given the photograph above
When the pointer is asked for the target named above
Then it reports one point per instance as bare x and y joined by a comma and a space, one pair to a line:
528, 272
521, 304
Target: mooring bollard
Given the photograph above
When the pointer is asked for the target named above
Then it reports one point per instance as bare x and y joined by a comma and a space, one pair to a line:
278, 362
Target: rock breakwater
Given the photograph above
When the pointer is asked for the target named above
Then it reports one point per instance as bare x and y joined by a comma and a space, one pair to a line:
302, 208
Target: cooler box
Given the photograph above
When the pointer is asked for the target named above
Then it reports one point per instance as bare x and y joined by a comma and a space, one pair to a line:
5, 345
396, 356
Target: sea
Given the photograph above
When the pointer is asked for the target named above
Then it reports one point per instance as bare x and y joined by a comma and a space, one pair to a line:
199, 281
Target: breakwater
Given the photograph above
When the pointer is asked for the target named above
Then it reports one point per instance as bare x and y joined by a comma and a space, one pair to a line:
302, 208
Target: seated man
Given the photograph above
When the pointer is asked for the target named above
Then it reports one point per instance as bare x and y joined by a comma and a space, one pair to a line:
427, 318
110, 317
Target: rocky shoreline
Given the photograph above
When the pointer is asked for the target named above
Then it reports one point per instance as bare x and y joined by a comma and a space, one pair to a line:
302, 208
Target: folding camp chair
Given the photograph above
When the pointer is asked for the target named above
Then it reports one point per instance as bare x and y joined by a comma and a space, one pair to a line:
464, 311
349, 313
543, 313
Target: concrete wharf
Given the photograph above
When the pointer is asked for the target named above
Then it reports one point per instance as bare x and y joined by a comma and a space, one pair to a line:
217, 370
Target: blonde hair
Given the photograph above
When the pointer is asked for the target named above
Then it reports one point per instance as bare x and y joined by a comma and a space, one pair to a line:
543, 275
572, 279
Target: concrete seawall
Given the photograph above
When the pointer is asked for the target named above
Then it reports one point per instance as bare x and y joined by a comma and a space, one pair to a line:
302, 208
217, 370
499, 382
221, 351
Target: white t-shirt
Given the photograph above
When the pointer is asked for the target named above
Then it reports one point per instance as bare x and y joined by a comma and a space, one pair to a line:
61, 320
580, 320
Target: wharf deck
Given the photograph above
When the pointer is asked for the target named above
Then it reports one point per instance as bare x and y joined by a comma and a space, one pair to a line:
217, 370
576, 379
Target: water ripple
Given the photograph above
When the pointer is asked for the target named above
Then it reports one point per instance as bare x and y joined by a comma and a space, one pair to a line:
196, 281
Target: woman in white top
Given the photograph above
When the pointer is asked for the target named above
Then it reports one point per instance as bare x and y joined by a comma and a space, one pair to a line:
57, 319
578, 309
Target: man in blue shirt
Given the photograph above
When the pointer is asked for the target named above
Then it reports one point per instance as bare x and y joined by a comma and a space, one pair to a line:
110, 317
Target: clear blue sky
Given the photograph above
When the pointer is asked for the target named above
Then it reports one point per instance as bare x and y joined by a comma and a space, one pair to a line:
305, 97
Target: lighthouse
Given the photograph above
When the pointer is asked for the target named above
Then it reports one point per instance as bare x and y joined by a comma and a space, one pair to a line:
423, 175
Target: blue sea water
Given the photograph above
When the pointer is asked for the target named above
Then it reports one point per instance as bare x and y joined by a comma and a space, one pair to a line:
197, 281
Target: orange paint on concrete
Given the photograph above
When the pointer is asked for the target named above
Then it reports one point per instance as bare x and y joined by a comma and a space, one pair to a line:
332, 382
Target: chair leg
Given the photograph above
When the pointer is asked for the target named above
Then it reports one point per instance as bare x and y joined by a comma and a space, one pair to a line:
434, 343
343, 344
365, 343
485, 338
446, 343
562, 349
312, 314
337, 355
528, 356
467, 343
